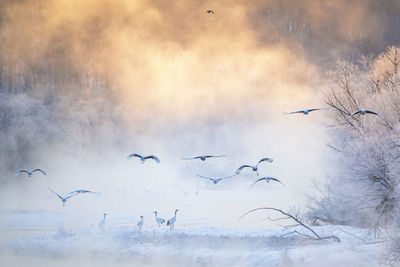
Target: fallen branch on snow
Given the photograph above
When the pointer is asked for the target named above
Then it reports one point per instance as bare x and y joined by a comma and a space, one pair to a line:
314, 235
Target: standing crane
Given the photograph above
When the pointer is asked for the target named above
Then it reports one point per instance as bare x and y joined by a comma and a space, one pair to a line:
159, 220
102, 224
140, 223
172, 221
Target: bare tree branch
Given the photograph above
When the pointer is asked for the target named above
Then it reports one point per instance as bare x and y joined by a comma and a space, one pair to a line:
294, 218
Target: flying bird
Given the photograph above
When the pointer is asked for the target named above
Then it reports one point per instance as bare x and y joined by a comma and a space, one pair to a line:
172, 221
268, 179
159, 220
210, 11
31, 172
140, 223
254, 168
142, 158
102, 224
71, 194
215, 181
363, 112
204, 157
305, 111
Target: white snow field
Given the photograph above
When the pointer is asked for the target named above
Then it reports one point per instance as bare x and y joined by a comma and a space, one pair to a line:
41, 238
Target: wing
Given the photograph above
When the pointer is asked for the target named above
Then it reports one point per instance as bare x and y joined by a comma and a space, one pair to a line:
74, 193
265, 159
81, 191
134, 155
227, 177
21, 171
274, 179
372, 112
56, 194
354, 113
152, 157
258, 181
314, 109
242, 167
191, 158
205, 177
294, 112
40, 170
214, 156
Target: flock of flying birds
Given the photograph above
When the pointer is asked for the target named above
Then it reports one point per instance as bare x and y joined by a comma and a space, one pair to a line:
171, 222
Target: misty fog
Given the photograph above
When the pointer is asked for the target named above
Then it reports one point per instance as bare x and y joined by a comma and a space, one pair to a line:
83, 84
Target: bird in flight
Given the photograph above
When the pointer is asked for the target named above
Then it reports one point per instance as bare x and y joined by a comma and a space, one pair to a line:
210, 11
305, 111
31, 172
71, 194
204, 157
142, 158
268, 179
215, 181
363, 112
255, 167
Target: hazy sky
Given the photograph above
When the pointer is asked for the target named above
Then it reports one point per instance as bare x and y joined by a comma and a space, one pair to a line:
187, 83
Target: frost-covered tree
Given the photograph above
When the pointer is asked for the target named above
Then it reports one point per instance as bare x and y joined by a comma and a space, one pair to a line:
364, 191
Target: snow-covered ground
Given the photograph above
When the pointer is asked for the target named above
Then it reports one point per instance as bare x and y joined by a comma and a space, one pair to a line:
42, 238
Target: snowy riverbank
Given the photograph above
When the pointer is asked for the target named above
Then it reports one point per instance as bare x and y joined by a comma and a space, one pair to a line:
47, 243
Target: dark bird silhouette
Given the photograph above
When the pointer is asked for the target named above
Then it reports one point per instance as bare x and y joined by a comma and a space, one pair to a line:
254, 168
268, 179
210, 11
363, 112
215, 180
142, 158
31, 172
71, 194
305, 111
204, 157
